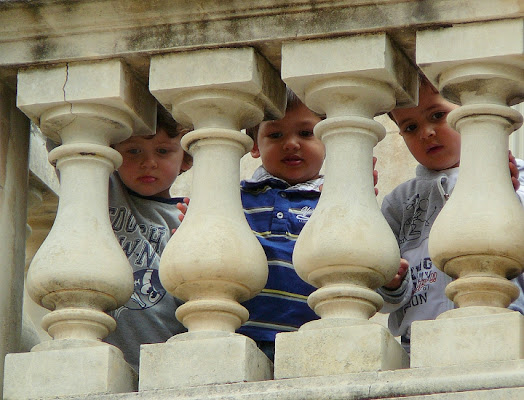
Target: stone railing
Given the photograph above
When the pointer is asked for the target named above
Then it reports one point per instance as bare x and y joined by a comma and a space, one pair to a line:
88, 72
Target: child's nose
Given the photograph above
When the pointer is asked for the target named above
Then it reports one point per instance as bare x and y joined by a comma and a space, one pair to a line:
428, 131
149, 161
291, 143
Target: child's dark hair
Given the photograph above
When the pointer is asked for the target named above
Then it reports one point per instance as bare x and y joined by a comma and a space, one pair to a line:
292, 101
165, 121
173, 129
422, 79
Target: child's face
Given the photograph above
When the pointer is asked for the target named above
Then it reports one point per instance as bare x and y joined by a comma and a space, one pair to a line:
426, 132
288, 148
151, 165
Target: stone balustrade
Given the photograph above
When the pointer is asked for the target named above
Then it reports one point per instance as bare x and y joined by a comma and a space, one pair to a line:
88, 76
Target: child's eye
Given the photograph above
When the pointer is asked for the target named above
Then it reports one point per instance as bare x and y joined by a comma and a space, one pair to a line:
306, 133
410, 128
133, 151
275, 135
162, 151
438, 115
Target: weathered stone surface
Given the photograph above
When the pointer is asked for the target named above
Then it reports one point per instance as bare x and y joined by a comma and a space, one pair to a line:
72, 30
112, 85
469, 339
14, 151
66, 372
67, 30
482, 43
496, 380
242, 72
303, 63
194, 362
331, 351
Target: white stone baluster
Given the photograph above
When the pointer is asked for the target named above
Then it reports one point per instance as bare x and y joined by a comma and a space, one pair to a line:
80, 271
213, 261
478, 237
346, 249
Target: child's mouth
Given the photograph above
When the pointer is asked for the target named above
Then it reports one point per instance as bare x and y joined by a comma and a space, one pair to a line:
147, 179
292, 161
434, 149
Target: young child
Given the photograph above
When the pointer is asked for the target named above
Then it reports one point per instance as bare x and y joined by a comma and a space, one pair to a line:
417, 291
278, 201
143, 215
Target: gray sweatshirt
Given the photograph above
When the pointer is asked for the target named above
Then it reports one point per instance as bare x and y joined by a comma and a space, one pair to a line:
410, 209
143, 226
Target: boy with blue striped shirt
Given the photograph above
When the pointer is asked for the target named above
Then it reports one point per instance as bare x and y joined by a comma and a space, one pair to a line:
278, 201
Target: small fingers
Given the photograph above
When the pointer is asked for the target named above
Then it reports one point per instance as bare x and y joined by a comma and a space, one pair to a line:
514, 172
375, 175
182, 207
403, 268
516, 183
512, 158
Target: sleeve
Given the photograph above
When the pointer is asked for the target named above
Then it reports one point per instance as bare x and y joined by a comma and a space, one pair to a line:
518, 305
394, 299
520, 191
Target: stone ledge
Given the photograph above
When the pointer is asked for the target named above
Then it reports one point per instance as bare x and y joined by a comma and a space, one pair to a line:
498, 380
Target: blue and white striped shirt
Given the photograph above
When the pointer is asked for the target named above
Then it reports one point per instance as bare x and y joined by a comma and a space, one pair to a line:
276, 213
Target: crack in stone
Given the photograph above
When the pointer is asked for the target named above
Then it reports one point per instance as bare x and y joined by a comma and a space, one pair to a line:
70, 104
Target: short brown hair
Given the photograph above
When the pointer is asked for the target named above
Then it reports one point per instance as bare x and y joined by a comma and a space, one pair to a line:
165, 121
423, 80
292, 101
173, 129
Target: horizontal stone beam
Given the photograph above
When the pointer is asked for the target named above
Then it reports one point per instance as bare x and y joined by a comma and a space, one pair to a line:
55, 31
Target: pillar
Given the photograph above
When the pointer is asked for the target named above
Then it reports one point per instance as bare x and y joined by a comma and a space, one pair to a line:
347, 249
14, 150
213, 261
80, 271
478, 237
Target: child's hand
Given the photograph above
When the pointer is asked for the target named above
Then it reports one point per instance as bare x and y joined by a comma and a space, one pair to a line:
375, 175
399, 277
183, 209
514, 171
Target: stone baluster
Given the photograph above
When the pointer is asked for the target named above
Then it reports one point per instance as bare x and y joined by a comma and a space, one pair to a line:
14, 150
213, 261
478, 238
80, 271
346, 249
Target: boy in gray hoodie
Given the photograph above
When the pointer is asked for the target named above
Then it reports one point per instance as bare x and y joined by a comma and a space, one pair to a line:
417, 291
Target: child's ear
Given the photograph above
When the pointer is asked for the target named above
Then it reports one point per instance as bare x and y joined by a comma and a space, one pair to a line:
187, 162
255, 153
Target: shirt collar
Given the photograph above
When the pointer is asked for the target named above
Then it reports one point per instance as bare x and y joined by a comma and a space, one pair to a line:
262, 176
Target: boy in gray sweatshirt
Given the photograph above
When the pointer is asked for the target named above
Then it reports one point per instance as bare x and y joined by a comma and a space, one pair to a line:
143, 215
417, 291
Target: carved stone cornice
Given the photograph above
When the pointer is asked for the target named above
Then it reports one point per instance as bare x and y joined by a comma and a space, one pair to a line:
44, 31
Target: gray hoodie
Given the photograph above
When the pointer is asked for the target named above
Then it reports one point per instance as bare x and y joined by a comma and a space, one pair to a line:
410, 209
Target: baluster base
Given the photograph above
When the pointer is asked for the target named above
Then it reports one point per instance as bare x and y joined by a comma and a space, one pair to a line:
78, 371
477, 336
337, 350
202, 358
